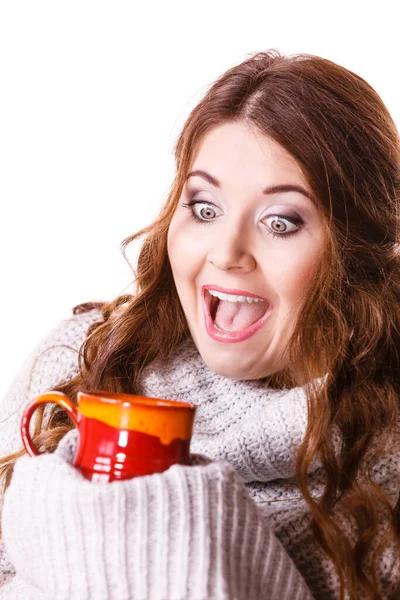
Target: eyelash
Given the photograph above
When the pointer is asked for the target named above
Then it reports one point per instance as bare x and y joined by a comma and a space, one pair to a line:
294, 220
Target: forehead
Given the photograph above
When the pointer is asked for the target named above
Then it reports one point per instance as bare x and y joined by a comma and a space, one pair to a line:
237, 148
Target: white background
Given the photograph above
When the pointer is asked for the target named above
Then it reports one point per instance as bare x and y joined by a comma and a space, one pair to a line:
92, 98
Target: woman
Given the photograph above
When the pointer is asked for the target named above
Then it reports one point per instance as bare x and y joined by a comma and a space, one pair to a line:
268, 295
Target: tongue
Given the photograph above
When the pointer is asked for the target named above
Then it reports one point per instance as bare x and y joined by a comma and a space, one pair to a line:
235, 316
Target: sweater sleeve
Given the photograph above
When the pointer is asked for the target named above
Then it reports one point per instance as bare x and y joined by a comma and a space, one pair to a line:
53, 360
190, 533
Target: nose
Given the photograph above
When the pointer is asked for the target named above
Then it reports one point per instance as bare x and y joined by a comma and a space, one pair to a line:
231, 250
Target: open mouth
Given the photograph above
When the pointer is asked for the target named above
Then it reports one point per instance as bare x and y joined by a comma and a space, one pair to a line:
233, 320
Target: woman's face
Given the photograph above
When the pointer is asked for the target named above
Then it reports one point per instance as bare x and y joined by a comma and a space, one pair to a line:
245, 227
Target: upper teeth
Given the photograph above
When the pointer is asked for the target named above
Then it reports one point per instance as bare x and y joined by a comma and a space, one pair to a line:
233, 298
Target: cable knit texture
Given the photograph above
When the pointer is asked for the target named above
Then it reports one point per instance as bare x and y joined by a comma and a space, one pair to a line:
247, 516
192, 532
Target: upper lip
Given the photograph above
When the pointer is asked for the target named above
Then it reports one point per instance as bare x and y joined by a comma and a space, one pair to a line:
234, 291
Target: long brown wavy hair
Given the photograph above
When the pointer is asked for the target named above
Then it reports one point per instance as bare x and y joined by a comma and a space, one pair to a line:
341, 134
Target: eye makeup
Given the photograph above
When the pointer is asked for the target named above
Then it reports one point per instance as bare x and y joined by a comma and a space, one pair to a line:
298, 221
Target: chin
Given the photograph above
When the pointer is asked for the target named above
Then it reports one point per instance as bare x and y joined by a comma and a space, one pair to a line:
227, 366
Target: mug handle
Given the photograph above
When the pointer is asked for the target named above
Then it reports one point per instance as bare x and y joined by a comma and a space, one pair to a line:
59, 398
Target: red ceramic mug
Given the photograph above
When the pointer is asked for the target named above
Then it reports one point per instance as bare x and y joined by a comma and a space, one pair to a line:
121, 435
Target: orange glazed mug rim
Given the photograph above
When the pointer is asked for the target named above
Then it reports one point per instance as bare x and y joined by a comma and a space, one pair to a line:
125, 399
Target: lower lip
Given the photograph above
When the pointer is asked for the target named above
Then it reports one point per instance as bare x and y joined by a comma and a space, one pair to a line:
231, 337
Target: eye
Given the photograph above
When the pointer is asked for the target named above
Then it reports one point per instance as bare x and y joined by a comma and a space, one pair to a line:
201, 211
278, 227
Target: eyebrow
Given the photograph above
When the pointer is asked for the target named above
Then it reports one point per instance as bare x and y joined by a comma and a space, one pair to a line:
272, 189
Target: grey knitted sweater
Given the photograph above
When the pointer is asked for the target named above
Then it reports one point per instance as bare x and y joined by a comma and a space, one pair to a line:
231, 526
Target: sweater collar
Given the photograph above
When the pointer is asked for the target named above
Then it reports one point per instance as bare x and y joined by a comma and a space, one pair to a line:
258, 430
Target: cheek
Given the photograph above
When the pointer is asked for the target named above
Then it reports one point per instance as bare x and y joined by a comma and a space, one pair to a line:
185, 251
175, 246
292, 272
310, 264
306, 272
303, 277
